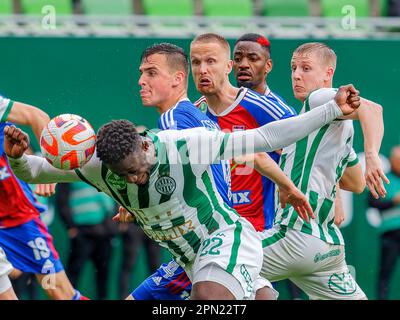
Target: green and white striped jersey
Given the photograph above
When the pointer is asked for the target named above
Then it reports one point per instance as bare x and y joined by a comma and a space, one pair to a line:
315, 164
180, 205
5, 107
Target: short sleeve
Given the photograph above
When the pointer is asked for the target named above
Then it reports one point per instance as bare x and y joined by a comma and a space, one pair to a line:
319, 97
353, 158
5, 108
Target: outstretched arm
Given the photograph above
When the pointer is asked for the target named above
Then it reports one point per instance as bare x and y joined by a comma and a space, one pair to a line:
279, 134
31, 169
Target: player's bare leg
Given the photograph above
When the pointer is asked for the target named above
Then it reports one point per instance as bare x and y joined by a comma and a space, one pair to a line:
57, 285
209, 290
9, 294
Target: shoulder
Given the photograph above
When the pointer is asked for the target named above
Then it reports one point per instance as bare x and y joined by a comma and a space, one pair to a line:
270, 105
320, 97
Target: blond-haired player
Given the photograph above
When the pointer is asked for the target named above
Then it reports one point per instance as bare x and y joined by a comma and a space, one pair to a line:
311, 254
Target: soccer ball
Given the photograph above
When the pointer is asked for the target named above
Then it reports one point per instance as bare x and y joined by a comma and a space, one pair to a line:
68, 141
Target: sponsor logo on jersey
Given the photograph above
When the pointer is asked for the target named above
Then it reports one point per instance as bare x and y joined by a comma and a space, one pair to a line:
241, 197
171, 233
4, 174
238, 128
116, 181
342, 283
208, 124
165, 185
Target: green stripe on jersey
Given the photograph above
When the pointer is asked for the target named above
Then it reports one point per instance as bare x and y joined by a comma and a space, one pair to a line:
194, 197
311, 156
298, 163
6, 113
353, 163
205, 177
164, 170
175, 248
143, 195
275, 237
306, 227
332, 232
283, 161
235, 247
323, 213
193, 240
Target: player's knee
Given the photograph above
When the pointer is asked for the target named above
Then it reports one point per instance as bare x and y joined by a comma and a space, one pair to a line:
266, 293
209, 290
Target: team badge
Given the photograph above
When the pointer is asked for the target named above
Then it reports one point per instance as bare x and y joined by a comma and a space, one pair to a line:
116, 181
203, 106
165, 185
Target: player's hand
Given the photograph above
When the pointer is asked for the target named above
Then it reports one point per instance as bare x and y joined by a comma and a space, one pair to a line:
123, 216
16, 142
374, 175
298, 200
45, 190
339, 216
348, 99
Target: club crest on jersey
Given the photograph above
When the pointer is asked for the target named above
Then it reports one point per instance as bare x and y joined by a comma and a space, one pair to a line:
203, 107
165, 185
116, 181
238, 128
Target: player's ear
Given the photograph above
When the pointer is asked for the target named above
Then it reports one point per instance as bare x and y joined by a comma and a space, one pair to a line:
179, 77
145, 145
229, 66
329, 74
268, 66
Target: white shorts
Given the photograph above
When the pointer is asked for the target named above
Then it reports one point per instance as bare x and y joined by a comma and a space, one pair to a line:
231, 256
5, 269
317, 267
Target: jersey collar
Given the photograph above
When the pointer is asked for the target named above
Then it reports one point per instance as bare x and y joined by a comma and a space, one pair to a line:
153, 136
232, 106
267, 90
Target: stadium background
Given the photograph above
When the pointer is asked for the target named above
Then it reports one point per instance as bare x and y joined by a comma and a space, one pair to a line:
96, 77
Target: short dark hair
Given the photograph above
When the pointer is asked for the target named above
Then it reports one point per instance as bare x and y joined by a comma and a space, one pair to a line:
255, 37
116, 140
176, 57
